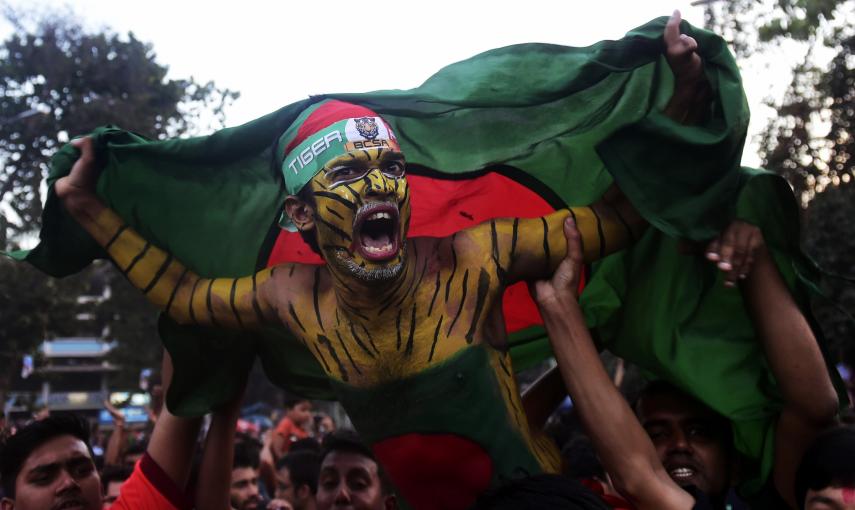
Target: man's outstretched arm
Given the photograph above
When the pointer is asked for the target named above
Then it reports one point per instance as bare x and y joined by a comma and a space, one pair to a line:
810, 401
622, 444
166, 282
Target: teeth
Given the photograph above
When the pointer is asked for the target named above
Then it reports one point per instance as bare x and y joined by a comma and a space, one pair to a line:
682, 472
381, 249
380, 215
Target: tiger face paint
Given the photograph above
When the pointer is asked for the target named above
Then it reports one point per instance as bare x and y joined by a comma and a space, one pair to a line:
362, 213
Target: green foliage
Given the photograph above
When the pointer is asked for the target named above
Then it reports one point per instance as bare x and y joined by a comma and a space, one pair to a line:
57, 80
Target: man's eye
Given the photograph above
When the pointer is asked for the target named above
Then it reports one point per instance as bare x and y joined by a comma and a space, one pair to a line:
83, 470
344, 173
395, 169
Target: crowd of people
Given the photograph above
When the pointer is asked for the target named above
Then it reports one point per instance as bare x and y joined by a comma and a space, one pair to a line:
663, 449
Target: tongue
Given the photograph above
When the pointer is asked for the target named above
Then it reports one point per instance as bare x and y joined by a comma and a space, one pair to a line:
376, 240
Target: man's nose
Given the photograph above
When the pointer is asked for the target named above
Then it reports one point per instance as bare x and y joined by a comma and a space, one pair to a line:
342, 497
378, 183
67, 483
679, 442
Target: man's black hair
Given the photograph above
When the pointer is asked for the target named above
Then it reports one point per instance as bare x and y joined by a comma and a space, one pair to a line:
348, 441
540, 491
246, 456
580, 460
114, 474
303, 468
15, 449
307, 444
830, 461
293, 401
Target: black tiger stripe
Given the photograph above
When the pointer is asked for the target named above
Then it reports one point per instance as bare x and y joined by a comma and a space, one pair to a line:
462, 300
333, 196
347, 353
115, 237
483, 286
192, 294
504, 367
368, 184
513, 404
409, 349
355, 195
545, 241
293, 315
435, 292
175, 290
575, 222
136, 259
387, 301
331, 349
398, 329
321, 357
209, 304
435, 338
291, 270
159, 274
494, 240
415, 286
337, 231
232, 302
600, 234
334, 213
337, 320
356, 312
453, 267
514, 238
319, 183
370, 338
315, 296
359, 341
255, 306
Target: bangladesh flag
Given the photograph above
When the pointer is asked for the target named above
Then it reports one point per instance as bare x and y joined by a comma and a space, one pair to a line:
516, 131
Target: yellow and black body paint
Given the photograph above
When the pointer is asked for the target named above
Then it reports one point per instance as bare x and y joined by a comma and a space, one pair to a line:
444, 299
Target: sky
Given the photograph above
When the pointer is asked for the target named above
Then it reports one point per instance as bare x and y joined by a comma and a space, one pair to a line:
275, 53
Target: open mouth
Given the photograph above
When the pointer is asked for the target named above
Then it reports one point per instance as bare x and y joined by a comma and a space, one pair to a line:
376, 231
682, 473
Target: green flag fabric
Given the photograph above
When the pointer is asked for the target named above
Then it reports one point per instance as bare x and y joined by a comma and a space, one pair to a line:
565, 122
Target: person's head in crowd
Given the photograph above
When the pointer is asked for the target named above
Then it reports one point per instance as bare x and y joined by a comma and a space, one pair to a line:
540, 491
307, 444
825, 479
299, 411
112, 478
243, 491
350, 476
134, 453
297, 478
694, 442
324, 424
48, 465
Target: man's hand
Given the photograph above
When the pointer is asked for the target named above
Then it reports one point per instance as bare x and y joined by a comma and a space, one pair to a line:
681, 53
84, 174
735, 250
561, 290
688, 104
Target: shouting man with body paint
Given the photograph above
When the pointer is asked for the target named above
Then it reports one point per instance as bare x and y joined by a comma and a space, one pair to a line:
410, 331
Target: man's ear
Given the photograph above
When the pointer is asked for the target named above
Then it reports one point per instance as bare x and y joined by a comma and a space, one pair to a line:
303, 492
390, 502
301, 213
7, 504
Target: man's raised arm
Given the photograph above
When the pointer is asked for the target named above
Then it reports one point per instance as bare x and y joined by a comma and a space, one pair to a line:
166, 282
